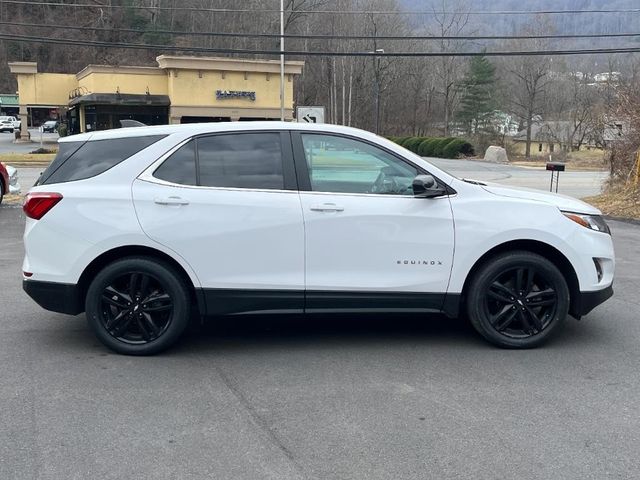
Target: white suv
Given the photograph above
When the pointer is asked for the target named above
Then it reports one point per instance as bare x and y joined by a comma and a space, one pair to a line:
9, 124
143, 227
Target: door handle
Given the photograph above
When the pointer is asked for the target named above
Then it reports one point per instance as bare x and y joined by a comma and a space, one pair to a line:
171, 201
327, 207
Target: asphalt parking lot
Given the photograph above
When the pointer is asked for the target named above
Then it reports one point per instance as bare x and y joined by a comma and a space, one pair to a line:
7, 144
320, 398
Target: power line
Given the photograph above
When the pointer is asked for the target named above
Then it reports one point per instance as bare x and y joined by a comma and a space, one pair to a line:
175, 48
338, 12
326, 37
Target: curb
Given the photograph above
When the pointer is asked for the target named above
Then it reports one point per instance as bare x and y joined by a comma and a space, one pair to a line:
30, 164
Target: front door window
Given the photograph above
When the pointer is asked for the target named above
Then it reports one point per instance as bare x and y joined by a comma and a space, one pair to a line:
342, 165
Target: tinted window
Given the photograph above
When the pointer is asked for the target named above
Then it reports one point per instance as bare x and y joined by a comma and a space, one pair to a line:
65, 151
95, 157
343, 165
244, 160
180, 167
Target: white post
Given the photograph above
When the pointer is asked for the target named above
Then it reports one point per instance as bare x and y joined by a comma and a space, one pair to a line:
282, 60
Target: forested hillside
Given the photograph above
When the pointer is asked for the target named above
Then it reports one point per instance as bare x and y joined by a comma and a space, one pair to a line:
568, 23
418, 95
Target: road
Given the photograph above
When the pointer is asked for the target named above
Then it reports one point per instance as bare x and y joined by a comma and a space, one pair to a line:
375, 397
572, 183
7, 145
575, 184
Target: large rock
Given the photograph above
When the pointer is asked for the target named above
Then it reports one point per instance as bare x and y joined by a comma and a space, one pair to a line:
496, 155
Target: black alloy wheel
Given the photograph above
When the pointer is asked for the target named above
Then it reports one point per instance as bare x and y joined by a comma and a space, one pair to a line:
138, 306
518, 299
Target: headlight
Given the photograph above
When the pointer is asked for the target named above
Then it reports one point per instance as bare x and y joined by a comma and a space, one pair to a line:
593, 222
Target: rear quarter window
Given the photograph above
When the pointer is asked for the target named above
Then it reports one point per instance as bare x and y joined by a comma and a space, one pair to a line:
82, 160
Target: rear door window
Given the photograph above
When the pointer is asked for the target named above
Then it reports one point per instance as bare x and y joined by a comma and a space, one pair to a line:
241, 160
237, 160
78, 161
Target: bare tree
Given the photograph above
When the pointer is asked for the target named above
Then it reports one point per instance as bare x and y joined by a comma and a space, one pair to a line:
451, 20
530, 76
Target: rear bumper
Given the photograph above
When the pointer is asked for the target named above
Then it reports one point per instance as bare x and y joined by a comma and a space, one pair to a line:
587, 301
55, 297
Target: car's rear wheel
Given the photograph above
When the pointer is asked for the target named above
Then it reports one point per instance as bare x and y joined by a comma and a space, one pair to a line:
138, 306
518, 300
1, 191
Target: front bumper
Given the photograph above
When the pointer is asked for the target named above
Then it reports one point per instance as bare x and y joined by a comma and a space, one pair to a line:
587, 301
14, 186
55, 297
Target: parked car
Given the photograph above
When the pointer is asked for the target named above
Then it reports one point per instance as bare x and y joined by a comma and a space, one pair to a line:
50, 126
4, 181
9, 124
141, 227
8, 180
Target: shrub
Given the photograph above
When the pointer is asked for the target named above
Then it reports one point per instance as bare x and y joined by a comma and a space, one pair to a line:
43, 151
452, 149
439, 146
426, 147
413, 143
467, 149
436, 146
457, 147
62, 130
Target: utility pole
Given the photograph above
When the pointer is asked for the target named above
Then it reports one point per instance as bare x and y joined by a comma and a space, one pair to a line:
377, 88
282, 60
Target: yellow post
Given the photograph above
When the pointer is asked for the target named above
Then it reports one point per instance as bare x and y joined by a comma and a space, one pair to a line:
83, 126
637, 177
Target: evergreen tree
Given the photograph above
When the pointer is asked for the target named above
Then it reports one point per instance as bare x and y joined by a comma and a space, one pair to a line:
478, 87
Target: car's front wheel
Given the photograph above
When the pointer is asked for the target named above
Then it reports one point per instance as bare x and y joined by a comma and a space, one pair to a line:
517, 300
138, 306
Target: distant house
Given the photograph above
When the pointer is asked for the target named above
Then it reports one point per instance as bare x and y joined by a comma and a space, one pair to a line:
607, 77
615, 129
554, 137
504, 123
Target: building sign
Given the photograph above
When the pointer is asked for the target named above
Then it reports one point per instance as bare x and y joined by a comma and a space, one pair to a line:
227, 94
310, 114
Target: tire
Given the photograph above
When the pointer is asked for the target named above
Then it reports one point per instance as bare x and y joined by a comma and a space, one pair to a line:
138, 306
518, 300
1, 191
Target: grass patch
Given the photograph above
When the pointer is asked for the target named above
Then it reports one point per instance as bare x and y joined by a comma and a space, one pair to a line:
11, 199
621, 202
570, 166
27, 159
588, 160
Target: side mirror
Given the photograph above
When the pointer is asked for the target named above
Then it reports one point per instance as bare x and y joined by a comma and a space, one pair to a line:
425, 186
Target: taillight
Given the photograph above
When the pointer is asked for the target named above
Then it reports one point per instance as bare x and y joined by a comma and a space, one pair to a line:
37, 204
